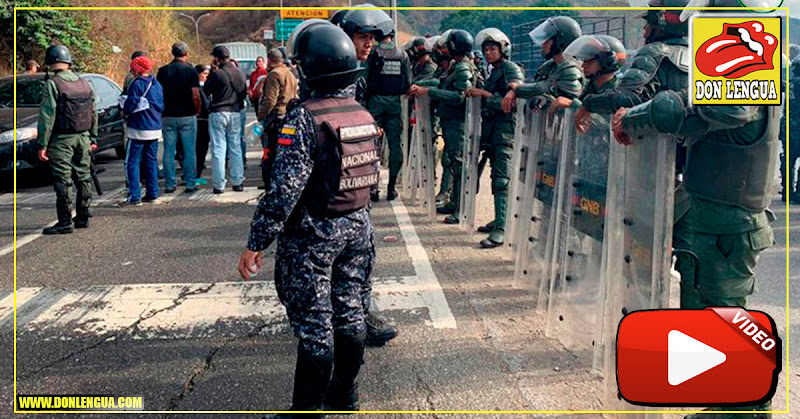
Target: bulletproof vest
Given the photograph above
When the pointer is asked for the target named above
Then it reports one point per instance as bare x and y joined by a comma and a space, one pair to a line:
386, 73
732, 174
74, 106
345, 162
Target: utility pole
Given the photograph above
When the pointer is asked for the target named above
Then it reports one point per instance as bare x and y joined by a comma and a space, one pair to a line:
196, 22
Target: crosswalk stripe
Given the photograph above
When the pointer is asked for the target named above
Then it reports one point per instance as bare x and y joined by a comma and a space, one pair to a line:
179, 311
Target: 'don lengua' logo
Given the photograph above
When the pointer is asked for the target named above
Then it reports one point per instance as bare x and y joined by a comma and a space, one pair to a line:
736, 60
739, 50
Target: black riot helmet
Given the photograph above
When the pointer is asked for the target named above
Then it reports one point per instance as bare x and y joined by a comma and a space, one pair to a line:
57, 54
459, 42
369, 20
338, 17
561, 29
324, 54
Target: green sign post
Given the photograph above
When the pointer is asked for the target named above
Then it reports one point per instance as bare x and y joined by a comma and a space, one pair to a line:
284, 28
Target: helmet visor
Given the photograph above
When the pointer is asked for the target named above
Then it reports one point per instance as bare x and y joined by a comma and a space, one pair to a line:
489, 35
543, 32
585, 48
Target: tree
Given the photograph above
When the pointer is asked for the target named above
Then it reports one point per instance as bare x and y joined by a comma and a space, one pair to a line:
38, 29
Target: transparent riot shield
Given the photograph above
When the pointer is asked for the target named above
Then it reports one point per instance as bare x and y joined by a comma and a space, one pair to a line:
419, 167
638, 233
469, 169
405, 137
521, 144
577, 282
540, 204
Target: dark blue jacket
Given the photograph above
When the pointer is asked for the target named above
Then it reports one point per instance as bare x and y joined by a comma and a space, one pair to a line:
150, 119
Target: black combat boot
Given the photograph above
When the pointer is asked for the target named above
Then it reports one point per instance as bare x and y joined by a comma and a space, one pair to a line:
348, 356
64, 224
378, 332
391, 192
82, 203
312, 375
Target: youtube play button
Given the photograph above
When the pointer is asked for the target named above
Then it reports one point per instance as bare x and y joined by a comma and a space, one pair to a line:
687, 357
712, 357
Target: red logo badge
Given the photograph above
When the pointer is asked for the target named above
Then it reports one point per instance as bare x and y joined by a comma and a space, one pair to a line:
739, 50
717, 356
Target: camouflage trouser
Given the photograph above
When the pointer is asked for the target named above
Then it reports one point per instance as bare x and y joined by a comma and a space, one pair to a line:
70, 158
323, 275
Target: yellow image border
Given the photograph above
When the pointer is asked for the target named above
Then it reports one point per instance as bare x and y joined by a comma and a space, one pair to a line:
786, 337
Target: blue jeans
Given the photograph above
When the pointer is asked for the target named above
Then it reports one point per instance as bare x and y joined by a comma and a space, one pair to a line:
183, 129
224, 129
243, 116
144, 153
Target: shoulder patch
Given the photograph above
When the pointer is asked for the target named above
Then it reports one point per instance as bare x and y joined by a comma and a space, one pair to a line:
288, 129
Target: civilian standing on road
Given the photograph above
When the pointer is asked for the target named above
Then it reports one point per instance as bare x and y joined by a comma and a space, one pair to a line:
130, 76
182, 103
144, 130
226, 89
243, 121
202, 124
279, 88
257, 79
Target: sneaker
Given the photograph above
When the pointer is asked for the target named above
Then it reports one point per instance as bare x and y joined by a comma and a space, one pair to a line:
238, 188
127, 203
218, 191
200, 182
169, 190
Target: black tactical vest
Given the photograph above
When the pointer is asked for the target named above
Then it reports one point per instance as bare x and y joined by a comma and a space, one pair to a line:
345, 165
732, 174
74, 106
386, 73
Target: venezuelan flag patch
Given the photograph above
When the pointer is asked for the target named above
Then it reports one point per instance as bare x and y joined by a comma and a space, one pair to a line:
288, 130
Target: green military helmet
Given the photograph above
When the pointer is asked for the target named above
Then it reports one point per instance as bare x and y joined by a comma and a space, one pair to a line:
57, 54
609, 52
496, 36
561, 29
665, 24
459, 42
417, 48
368, 20
432, 44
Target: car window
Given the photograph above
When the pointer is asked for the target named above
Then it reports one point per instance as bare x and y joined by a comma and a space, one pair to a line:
29, 92
106, 92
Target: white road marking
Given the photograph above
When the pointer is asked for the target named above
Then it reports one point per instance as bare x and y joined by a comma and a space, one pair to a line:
22, 241
178, 311
441, 316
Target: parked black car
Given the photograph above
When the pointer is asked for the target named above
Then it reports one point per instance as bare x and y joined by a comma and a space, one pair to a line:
29, 93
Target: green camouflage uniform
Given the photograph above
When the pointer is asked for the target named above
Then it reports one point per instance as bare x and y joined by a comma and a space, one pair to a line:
552, 80
424, 71
451, 110
387, 109
68, 153
497, 136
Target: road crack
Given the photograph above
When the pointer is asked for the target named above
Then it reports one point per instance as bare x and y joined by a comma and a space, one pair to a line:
113, 336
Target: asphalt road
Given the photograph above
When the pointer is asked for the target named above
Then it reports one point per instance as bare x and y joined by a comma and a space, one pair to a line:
146, 302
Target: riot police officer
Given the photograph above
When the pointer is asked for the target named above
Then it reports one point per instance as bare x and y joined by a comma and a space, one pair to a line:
388, 77
557, 76
424, 68
451, 109
728, 213
662, 64
497, 127
790, 190
67, 134
364, 26
317, 207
